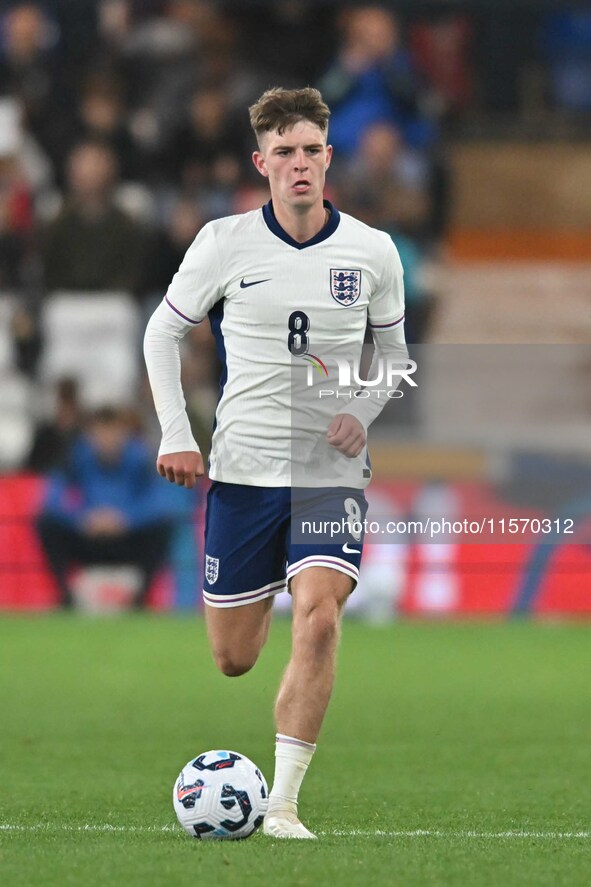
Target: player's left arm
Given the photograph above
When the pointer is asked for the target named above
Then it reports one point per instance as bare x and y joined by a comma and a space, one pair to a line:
347, 434
348, 430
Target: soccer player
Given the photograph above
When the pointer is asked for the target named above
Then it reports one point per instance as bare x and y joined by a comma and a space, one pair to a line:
273, 282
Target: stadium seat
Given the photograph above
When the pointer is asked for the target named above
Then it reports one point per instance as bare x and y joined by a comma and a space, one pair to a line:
16, 422
95, 338
106, 589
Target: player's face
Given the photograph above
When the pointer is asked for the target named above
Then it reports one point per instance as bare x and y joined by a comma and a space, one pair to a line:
295, 163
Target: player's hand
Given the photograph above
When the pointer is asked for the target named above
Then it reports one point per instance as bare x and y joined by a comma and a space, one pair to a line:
181, 469
346, 434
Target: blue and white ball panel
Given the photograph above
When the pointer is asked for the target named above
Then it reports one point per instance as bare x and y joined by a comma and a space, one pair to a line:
249, 553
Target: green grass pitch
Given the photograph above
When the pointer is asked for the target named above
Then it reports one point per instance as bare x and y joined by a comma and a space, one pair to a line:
451, 754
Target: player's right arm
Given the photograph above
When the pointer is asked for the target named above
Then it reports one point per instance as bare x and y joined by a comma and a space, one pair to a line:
183, 469
193, 291
179, 459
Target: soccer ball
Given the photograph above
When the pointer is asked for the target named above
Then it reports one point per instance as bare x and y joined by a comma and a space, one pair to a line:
220, 794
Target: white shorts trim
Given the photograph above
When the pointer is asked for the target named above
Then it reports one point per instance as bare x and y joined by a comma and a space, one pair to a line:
245, 597
324, 560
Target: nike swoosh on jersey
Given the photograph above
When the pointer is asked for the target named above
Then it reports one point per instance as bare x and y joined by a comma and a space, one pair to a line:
348, 550
243, 283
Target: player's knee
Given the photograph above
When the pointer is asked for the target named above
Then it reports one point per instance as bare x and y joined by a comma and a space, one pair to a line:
233, 663
320, 623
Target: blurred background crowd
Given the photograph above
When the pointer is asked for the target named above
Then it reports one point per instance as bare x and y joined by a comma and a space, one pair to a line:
124, 128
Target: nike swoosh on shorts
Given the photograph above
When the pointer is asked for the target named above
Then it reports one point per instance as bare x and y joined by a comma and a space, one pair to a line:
348, 550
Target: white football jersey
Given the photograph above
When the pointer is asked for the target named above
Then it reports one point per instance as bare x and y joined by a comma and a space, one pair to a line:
271, 301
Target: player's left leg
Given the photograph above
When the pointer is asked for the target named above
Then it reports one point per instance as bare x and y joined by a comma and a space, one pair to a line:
319, 594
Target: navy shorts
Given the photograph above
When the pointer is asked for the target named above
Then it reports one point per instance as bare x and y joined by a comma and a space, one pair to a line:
251, 552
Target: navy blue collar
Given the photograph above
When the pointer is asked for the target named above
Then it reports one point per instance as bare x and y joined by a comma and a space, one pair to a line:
274, 226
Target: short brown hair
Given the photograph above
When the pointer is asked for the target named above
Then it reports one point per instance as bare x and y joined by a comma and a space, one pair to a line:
279, 109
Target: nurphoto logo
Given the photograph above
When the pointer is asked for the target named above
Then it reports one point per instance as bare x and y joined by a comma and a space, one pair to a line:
389, 373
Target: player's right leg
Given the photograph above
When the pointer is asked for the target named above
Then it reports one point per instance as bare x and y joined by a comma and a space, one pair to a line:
244, 569
237, 635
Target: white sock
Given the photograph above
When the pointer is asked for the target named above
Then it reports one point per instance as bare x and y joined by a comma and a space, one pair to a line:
292, 757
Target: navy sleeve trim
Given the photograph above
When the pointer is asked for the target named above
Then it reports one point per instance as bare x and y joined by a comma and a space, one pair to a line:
180, 313
386, 326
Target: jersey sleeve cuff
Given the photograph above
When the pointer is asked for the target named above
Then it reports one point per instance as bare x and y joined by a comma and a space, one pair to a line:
356, 410
186, 446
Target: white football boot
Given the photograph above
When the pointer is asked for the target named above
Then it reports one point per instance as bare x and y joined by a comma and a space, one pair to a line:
282, 824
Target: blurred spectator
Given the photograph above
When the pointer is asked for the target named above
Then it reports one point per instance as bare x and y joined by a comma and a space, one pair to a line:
290, 36
102, 117
503, 46
184, 223
92, 244
106, 506
372, 80
566, 44
441, 49
26, 338
16, 220
160, 50
54, 436
32, 72
387, 185
19, 172
389, 182
372, 86
16, 198
203, 151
